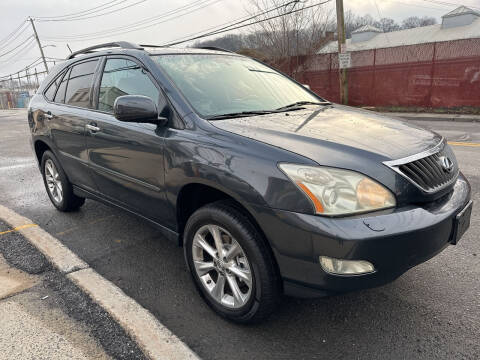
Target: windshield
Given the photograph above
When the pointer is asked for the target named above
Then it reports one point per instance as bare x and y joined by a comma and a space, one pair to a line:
224, 84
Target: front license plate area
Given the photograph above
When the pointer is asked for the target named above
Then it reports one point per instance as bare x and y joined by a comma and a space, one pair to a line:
461, 223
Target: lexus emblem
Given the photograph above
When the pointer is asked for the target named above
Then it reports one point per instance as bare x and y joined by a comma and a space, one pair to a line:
446, 164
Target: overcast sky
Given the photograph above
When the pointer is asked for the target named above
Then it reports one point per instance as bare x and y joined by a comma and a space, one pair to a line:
214, 12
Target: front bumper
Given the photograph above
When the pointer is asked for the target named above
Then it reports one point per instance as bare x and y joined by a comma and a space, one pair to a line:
393, 240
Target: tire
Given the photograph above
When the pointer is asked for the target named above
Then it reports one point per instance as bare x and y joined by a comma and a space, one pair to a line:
261, 292
59, 189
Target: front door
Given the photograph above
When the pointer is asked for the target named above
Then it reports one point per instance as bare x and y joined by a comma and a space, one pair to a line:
127, 158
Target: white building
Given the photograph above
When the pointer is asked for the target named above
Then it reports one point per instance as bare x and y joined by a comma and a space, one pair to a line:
461, 23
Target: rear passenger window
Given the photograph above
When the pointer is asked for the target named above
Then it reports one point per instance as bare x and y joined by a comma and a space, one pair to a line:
50, 92
60, 95
124, 77
79, 84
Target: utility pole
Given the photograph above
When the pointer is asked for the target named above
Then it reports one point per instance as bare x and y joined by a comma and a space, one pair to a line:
342, 48
39, 45
36, 77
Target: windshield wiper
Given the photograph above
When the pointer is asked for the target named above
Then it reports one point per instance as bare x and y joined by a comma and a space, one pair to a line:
300, 103
294, 106
239, 114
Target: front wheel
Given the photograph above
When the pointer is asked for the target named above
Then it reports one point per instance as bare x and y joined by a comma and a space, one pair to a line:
231, 264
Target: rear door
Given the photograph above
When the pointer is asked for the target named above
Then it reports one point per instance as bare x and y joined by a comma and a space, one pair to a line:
67, 115
127, 158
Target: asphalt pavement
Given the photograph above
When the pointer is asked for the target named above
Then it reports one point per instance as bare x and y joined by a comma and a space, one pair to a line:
432, 311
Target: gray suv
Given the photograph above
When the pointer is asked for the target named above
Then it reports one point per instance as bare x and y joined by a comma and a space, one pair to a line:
269, 188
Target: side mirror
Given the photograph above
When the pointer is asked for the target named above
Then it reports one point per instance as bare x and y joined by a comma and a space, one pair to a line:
306, 86
136, 108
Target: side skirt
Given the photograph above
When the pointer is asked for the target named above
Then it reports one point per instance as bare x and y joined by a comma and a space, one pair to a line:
169, 234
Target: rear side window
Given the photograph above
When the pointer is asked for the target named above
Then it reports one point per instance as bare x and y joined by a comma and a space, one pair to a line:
79, 84
60, 95
50, 92
124, 77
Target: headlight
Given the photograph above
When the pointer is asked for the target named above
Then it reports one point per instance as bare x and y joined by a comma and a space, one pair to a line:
339, 192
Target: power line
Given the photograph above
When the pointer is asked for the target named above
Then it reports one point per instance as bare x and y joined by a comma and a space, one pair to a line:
15, 48
380, 18
38, 61
234, 22
417, 5
14, 31
242, 26
132, 25
77, 13
14, 38
34, 63
81, 16
97, 15
27, 46
449, 4
136, 28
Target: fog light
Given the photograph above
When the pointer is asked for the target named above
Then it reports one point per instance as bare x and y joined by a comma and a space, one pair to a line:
345, 267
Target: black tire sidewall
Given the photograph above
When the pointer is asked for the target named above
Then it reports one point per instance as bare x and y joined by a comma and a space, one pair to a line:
243, 233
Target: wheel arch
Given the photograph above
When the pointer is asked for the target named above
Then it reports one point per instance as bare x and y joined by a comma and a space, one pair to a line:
193, 196
40, 146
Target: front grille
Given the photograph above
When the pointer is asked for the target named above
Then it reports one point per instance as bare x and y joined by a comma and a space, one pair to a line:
426, 170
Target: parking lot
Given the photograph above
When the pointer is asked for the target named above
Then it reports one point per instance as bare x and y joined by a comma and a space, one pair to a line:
432, 311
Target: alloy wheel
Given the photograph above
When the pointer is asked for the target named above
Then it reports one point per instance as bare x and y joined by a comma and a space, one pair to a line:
54, 183
222, 266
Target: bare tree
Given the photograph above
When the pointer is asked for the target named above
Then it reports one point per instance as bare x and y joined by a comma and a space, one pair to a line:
415, 21
291, 33
387, 25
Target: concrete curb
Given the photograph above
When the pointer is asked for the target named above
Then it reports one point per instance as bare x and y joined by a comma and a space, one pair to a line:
153, 338
435, 117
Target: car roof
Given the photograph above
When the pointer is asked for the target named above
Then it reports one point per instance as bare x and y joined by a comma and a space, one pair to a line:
172, 50
127, 48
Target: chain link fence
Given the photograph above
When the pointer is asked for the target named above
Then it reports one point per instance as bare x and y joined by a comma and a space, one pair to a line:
17, 90
434, 75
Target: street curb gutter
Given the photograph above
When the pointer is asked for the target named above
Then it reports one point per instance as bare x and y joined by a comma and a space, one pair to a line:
153, 338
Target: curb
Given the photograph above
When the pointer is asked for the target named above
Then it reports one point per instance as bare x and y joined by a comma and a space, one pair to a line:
152, 337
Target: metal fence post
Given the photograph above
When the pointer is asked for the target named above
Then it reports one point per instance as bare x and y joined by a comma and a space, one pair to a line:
432, 74
36, 77
19, 83
330, 74
374, 77
28, 79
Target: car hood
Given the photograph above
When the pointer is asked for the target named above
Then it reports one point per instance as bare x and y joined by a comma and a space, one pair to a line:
340, 128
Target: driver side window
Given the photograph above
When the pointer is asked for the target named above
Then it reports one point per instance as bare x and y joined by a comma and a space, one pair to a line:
124, 77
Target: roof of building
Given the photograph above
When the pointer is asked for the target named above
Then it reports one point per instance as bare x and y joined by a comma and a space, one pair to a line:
461, 10
367, 28
419, 35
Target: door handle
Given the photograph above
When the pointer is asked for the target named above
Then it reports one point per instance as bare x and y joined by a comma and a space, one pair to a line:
92, 127
48, 115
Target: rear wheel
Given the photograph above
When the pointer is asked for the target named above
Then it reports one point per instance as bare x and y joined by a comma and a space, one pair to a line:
59, 189
231, 264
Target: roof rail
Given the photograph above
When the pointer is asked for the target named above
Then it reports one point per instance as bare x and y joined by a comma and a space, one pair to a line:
120, 44
152, 46
212, 48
